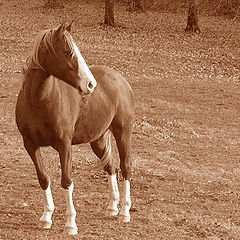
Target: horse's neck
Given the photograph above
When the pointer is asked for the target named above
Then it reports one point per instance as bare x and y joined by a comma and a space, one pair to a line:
39, 87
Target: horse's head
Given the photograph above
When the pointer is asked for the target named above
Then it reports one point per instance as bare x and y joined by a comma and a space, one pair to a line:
64, 60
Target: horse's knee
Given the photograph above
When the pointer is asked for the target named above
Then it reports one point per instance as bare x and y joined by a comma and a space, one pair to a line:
43, 181
66, 182
126, 170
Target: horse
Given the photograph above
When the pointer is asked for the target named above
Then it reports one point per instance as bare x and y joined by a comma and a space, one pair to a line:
65, 102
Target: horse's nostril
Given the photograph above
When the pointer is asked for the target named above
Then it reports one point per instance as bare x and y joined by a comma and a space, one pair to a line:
90, 86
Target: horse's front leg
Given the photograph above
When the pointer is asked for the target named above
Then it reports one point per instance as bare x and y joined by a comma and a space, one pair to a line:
65, 153
46, 220
112, 209
34, 152
126, 202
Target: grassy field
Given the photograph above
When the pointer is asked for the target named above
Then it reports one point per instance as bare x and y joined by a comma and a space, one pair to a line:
186, 144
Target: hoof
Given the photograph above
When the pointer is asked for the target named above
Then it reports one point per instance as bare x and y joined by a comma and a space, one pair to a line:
45, 225
72, 231
124, 218
111, 212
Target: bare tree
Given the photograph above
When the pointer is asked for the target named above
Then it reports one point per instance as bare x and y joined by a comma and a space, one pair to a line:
51, 2
135, 5
192, 23
109, 13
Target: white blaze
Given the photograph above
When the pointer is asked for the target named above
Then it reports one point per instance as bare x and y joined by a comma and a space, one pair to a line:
83, 66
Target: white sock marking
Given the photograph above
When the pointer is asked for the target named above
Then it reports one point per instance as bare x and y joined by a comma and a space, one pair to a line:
70, 212
126, 201
114, 195
48, 207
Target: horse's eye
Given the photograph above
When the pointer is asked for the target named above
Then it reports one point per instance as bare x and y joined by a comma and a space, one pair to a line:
69, 53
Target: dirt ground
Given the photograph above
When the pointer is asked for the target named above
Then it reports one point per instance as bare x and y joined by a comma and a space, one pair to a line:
185, 157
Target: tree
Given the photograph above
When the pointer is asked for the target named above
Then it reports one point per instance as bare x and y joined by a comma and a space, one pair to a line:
109, 13
51, 3
192, 23
135, 5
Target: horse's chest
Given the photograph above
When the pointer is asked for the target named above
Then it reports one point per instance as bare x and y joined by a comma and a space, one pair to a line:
43, 129
41, 133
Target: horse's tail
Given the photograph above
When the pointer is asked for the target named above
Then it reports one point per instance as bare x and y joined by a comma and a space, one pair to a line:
106, 158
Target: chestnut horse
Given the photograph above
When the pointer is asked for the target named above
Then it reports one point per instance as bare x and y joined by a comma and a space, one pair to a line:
63, 102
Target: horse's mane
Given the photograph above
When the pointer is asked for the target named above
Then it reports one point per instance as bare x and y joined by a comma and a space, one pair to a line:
44, 40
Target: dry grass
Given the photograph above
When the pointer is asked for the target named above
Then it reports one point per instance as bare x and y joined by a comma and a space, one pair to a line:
185, 182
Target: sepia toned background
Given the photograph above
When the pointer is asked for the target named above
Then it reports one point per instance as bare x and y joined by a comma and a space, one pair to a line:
186, 141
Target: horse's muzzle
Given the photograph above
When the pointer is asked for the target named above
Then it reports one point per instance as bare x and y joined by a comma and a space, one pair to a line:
88, 89
90, 86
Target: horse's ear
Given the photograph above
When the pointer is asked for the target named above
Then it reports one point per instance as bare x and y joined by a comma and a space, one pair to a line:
69, 27
60, 29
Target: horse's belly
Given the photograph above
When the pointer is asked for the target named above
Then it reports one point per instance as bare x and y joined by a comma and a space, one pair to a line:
85, 133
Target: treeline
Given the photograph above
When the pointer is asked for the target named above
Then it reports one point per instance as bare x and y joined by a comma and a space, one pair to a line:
211, 6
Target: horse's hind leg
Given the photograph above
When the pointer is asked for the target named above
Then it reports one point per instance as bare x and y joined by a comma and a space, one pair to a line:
122, 134
102, 148
43, 178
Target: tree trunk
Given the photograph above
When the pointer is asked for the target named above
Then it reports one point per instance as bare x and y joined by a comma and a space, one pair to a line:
51, 2
109, 13
192, 23
135, 5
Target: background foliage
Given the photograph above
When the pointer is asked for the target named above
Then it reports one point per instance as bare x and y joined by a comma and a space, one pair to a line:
216, 7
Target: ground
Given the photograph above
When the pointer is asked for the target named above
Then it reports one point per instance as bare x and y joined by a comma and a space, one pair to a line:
185, 156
